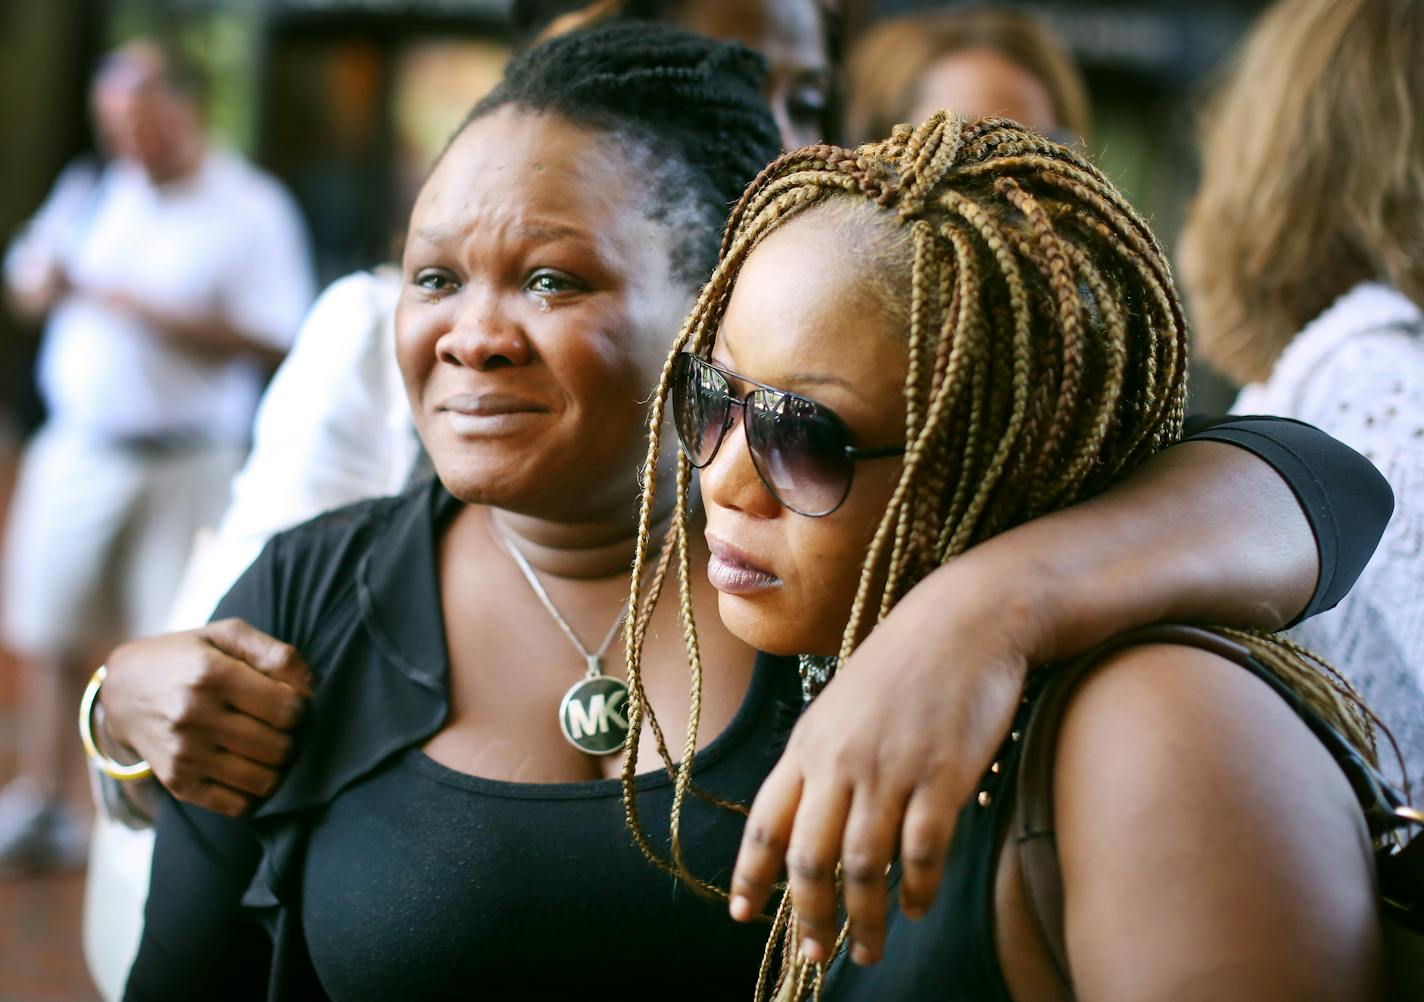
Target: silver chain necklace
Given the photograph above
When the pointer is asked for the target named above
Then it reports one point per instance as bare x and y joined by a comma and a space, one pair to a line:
591, 714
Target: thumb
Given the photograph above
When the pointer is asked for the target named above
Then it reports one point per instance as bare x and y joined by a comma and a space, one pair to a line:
239, 639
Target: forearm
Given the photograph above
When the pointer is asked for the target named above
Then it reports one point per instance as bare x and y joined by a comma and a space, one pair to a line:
198, 940
32, 299
211, 335
1204, 532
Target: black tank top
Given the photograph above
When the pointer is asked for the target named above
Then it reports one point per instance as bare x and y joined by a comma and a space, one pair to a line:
424, 882
950, 955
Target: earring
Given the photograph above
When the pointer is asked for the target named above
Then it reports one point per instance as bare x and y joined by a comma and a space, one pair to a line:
816, 671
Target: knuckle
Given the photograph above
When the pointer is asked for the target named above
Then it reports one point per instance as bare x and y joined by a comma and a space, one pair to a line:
256, 750
806, 864
748, 883
288, 710
923, 845
863, 866
230, 804
919, 856
186, 762
283, 655
866, 929
798, 739
187, 742
851, 760
266, 752
253, 784
209, 675
190, 712
206, 690
761, 836
813, 920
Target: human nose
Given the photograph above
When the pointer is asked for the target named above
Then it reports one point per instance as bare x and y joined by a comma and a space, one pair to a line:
484, 335
731, 479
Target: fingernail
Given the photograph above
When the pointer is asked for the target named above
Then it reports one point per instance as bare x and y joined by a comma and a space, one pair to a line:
811, 951
861, 954
741, 908
912, 912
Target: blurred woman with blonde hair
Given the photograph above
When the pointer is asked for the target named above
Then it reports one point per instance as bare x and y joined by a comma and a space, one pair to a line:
975, 61
1304, 260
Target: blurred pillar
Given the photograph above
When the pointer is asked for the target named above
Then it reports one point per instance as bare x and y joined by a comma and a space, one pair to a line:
47, 50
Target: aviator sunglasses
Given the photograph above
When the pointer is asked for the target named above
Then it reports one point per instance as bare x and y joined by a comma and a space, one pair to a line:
801, 449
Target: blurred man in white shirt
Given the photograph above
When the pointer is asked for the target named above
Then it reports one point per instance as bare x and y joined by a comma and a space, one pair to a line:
171, 281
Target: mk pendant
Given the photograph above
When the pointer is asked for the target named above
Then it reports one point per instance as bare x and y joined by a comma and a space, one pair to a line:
593, 715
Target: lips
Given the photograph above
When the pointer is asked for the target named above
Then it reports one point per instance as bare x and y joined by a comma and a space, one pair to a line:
733, 572
488, 405
488, 415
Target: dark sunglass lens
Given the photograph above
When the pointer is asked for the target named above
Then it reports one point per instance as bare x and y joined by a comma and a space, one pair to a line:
800, 450
700, 403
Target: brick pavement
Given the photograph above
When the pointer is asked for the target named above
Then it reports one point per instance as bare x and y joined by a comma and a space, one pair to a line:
40, 955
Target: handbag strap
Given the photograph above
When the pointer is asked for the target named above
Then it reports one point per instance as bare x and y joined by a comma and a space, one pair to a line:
1033, 821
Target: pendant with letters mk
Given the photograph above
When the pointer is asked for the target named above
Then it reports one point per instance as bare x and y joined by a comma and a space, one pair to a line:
594, 714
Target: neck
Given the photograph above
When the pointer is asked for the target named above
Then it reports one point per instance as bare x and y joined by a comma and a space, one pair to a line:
580, 550
184, 163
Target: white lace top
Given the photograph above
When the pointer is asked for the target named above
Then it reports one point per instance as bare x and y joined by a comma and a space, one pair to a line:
1357, 372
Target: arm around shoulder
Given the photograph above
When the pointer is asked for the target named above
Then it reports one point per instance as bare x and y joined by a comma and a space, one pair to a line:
1210, 848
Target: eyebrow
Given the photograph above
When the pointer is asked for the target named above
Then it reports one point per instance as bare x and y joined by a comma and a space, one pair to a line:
537, 232
549, 232
795, 378
818, 379
435, 234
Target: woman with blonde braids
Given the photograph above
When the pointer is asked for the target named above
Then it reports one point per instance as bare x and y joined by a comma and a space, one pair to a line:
983, 331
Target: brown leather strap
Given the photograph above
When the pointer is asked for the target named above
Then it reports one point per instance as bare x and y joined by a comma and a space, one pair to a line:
1033, 825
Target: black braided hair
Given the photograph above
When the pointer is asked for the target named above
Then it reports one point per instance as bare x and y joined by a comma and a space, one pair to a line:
692, 106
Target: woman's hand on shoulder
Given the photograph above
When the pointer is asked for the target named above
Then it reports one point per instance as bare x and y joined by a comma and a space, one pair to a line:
878, 767
1210, 847
212, 710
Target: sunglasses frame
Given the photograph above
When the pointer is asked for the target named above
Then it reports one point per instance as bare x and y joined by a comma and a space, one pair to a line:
853, 453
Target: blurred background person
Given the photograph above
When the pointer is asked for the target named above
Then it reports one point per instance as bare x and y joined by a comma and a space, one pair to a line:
1304, 259
976, 61
171, 281
800, 40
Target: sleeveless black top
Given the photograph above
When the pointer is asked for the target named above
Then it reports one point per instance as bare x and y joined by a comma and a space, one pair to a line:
950, 954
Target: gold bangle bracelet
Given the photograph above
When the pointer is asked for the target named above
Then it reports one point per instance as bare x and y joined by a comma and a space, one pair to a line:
102, 762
